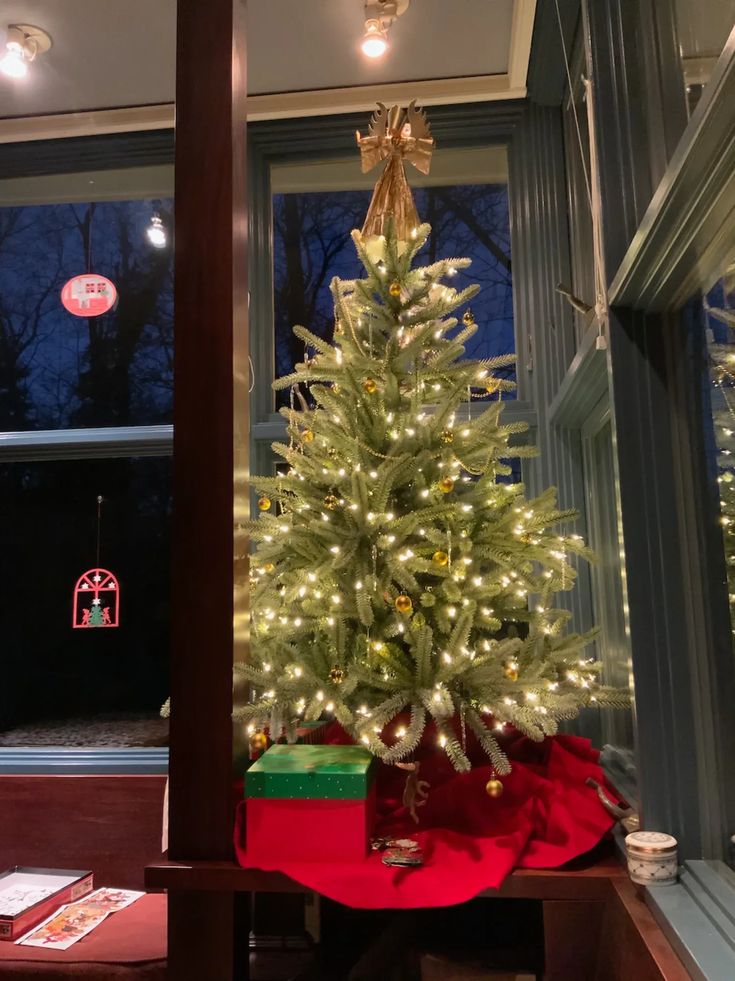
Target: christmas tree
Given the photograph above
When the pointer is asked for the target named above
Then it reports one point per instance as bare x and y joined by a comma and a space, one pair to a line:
397, 570
95, 614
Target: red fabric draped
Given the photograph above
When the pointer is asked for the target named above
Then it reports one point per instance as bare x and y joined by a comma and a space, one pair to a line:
546, 817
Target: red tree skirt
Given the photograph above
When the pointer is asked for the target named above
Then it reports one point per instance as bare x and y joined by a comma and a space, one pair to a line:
546, 817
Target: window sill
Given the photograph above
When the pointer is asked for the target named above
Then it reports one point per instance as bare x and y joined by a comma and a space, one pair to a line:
698, 918
83, 762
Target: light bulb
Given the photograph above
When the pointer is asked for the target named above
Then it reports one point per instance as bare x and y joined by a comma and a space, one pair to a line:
13, 63
156, 233
375, 40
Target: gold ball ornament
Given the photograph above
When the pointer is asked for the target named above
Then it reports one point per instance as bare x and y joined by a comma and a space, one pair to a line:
492, 385
370, 386
494, 788
307, 436
331, 503
336, 675
395, 288
258, 742
264, 503
511, 672
269, 567
446, 436
468, 318
403, 603
446, 485
440, 558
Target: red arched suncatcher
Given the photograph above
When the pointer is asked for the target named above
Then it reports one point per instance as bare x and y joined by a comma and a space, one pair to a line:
97, 600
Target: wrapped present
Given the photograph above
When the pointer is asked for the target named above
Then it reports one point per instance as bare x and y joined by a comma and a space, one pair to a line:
310, 803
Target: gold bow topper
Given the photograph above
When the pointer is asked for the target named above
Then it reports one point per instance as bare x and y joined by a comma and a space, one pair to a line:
395, 135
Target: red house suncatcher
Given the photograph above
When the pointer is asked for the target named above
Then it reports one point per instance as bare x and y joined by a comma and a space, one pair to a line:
96, 600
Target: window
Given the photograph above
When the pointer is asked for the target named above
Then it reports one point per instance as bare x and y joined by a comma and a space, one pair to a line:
85, 411
316, 206
719, 315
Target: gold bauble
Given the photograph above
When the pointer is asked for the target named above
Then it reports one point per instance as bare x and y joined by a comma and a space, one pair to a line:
307, 436
336, 675
269, 567
468, 318
395, 288
331, 503
370, 386
494, 788
264, 503
446, 436
511, 672
258, 742
403, 603
440, 558
446, 485
492, 385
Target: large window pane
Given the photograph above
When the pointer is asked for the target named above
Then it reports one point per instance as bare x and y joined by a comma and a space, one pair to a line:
466, 204
71, 680
60, 370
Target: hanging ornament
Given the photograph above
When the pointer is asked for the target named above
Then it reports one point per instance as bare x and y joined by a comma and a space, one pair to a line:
446, 436
370, 386
468, 318
494, 787
492, 385
403, 603
264, 503
446, 485
88, 295
97, 592
395, 288
511, 672
336, 675
440, 558
268, 568
258, 742
307, 436
331, 503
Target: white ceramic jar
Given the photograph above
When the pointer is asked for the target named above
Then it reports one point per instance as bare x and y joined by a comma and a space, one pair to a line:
652, 858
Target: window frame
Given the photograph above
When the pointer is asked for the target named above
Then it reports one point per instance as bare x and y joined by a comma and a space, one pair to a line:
326, 137
46, 157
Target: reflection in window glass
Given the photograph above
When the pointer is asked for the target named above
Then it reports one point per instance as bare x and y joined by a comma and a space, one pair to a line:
719, 309
703, 27
312, 244
87, 686
58, 370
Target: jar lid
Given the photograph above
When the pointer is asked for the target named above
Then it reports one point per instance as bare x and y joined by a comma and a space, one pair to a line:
650, 843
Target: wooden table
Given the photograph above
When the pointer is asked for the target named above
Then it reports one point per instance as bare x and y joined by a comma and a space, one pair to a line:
595, 924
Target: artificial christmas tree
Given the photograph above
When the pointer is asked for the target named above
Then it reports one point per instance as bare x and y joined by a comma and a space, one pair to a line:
398, 572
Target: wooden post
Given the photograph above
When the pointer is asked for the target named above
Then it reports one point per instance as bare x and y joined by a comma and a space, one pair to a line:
209, 585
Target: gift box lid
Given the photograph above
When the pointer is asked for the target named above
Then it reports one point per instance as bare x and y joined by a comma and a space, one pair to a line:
308, 771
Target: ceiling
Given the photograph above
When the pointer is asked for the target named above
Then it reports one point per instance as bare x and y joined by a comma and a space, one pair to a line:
118, 53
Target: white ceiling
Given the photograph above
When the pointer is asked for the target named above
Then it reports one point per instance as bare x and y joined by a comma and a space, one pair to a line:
113, 53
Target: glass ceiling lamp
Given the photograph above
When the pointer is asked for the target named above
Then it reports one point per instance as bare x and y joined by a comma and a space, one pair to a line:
379, 16
22, 45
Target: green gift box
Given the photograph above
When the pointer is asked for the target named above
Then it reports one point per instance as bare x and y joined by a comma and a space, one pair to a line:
311, 772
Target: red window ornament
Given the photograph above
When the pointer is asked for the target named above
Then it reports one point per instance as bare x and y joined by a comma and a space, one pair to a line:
97, 600
88, 295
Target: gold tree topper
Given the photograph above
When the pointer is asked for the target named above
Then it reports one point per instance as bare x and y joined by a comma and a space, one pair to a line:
395, 135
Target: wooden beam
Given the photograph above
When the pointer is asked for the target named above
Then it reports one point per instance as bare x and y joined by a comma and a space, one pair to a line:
210, 418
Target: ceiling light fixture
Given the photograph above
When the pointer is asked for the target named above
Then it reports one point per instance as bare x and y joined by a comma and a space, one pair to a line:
379, 16
22, 45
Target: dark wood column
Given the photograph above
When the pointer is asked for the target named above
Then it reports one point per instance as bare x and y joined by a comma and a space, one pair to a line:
210, 464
